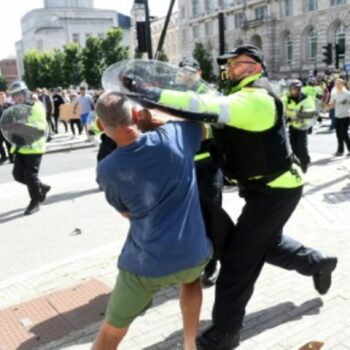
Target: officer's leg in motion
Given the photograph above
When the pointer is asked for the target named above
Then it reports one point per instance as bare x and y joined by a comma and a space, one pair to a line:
25, 171
290, 254
298, 140
210, 182
258, 227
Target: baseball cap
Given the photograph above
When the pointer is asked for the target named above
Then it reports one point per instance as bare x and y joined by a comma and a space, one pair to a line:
190, 64
249, 50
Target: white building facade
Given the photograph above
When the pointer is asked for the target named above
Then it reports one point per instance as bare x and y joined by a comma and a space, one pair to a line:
64, 21
291, 33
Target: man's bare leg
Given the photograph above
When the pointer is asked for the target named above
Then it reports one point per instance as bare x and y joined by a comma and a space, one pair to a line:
190, 303
109, 337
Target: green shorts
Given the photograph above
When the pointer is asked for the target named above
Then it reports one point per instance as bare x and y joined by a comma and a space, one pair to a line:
133, 294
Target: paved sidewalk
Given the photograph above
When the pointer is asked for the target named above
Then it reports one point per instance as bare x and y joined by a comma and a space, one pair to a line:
67, 142
285, 311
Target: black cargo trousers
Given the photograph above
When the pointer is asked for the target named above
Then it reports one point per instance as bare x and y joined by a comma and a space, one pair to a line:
257, 238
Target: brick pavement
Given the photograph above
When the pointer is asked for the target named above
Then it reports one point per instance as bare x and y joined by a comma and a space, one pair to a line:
285, 311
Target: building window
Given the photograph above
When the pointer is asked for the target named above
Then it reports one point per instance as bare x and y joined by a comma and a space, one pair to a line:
209, 6
39, 45
312, 46
239, 20
287, 8
196, 9
183, 12
209, 28
223, 3
101, 35
310, 5
337, 2
287, 49
76, 38
261, 13
88, 35
340, 40
195, 31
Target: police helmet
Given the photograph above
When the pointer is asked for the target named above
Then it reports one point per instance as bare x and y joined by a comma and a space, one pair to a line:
190, 64
18, 86
295, 83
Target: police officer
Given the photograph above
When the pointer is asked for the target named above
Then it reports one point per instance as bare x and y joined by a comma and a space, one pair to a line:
28, 158
253, 148
300, 110
209, 175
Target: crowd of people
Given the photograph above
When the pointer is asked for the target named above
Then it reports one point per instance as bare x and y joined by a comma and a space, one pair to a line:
167, 180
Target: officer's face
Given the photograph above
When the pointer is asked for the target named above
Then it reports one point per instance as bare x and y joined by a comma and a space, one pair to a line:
2, 98
19, 98
237, 67
294, 91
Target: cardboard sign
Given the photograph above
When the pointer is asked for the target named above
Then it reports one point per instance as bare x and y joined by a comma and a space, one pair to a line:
67, 112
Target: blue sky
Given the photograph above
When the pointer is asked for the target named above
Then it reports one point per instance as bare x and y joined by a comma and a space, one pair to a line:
11, 13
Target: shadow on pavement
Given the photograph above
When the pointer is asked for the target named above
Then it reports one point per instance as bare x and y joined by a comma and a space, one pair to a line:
325, 185
325, 161
18, 213
65, 323
338, 197
67, 196
255, 323
11, 215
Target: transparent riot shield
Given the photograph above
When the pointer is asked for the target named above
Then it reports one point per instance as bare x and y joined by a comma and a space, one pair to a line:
143, 81
123, 76
18, 127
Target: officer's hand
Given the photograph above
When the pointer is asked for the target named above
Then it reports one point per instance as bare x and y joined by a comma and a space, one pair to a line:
146, 122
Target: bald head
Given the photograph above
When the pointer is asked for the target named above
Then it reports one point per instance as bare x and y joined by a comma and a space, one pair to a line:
114, 111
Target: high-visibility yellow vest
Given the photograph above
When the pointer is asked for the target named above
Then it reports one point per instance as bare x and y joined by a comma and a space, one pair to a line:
37, 118
246, 108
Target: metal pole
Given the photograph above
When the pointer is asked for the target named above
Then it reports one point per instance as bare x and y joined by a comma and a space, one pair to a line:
221, 33
162, 36
148, 31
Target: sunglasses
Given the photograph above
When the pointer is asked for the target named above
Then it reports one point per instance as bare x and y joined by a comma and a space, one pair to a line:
235, 63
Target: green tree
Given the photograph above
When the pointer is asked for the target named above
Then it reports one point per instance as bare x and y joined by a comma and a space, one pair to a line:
162, 56
137, 53
92, 62
57, 70
72, 67
3, 84
32, 68
112, 49
202, 55
45, 72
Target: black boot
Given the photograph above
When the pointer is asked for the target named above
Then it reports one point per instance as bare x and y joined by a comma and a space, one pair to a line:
214, 339
44, 190
32, 208
210, 274
323, 279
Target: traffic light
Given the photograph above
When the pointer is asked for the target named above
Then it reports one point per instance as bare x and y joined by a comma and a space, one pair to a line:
327, 53
141, 36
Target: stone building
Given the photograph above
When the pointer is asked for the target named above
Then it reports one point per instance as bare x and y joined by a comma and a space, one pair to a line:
171, 44
64, 21
8, 69
291, 33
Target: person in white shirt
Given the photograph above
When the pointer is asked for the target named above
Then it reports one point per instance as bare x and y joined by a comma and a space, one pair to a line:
340, 100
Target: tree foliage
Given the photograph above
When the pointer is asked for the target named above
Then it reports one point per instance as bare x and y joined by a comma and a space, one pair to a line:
112, 49
71, 65
3, 84
162, 56
92, 62
203, 56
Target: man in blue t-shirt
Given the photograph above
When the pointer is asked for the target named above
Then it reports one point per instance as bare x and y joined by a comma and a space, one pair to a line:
150, 179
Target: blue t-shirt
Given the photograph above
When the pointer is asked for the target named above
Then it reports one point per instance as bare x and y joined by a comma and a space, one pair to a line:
154, 180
